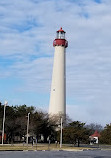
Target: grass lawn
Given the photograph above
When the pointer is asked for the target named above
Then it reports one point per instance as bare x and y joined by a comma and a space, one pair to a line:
39, 147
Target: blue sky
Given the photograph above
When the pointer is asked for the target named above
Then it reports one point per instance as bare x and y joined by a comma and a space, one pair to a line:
27, 31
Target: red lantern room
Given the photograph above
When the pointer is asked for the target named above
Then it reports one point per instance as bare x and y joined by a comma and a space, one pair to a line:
60, 39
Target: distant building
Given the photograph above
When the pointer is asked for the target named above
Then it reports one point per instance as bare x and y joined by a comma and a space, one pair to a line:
94, 138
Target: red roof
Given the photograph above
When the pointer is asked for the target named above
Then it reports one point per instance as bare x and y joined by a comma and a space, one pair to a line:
96, 134
61, 30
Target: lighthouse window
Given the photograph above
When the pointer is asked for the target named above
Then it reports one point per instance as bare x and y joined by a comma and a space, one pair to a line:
60, 35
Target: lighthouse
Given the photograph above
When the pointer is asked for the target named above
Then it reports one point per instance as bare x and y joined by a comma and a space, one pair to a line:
57, 105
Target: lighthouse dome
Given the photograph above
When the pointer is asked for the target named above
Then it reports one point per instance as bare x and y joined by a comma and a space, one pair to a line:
61, 30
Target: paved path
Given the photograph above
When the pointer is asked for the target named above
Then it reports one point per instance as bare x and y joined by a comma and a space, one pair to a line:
55, 154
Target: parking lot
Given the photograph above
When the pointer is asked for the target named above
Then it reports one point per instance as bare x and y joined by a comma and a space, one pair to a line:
56, 154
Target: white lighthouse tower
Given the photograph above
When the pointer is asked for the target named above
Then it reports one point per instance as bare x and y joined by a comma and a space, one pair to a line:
57, 104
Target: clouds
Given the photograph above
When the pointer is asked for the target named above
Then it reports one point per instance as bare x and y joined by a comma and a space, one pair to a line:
27, 30
90, 114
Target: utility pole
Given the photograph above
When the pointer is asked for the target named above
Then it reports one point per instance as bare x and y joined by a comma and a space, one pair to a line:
6, 103
28, 127
61, 134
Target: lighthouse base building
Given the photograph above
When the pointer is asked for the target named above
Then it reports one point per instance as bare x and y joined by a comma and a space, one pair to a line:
57, 105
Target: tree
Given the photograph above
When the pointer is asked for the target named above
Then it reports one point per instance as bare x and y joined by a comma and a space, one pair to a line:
105, 137
16, 121
75, 132
41, 124
94, 127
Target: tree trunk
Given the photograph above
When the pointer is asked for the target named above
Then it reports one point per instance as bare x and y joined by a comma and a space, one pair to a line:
78, 142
